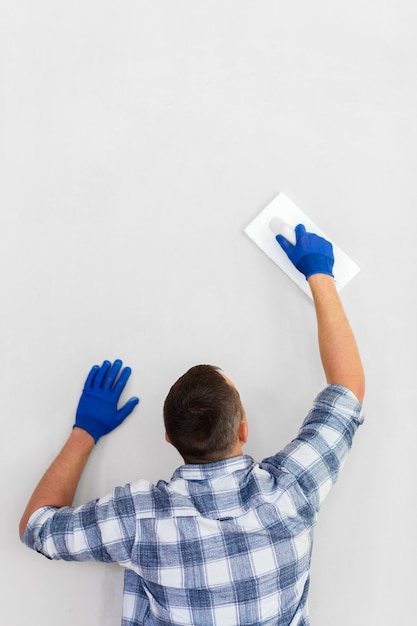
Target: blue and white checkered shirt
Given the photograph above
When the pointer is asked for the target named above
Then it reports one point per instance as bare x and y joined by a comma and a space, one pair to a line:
228, 543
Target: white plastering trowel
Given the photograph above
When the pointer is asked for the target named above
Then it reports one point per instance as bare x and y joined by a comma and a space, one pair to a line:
281, 216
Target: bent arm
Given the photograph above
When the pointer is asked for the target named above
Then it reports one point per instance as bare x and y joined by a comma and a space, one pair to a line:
58, 485
97, 415
338, 350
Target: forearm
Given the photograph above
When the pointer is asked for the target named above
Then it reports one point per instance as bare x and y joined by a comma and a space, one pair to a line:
58, 485
338, 350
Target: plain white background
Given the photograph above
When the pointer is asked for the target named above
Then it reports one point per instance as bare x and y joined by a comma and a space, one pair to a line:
137, 141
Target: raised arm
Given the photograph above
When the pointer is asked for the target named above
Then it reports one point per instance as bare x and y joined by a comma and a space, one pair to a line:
338, 350
97, 415
58, 485
313, 256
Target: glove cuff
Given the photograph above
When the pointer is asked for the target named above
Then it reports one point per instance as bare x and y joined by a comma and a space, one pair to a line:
315, 264
91, 425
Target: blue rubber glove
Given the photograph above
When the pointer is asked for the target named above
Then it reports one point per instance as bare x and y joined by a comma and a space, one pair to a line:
311, 254
97, 411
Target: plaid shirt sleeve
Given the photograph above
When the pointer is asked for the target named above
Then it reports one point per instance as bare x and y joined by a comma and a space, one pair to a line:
101, 530
314, 458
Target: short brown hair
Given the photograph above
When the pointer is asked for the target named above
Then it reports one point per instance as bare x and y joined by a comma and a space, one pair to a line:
202, 415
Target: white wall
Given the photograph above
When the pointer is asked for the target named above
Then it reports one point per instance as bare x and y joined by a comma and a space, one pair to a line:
137, 141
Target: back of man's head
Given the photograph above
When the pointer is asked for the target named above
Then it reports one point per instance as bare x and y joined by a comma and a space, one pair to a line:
202, 415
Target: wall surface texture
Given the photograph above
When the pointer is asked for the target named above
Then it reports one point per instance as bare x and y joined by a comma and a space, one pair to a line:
138, 139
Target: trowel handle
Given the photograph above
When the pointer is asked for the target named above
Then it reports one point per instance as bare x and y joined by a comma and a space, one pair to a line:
280, 227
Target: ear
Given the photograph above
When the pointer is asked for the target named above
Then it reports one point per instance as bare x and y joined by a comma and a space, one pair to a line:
243, 431
167, 438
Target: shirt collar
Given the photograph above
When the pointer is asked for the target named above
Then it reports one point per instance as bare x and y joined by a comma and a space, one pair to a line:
209, 471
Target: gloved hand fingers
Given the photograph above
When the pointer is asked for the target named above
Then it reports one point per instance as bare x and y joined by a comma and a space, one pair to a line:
284, 243
127, 409
300, 230
112, 374
101, 374
90, 378
121, 382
